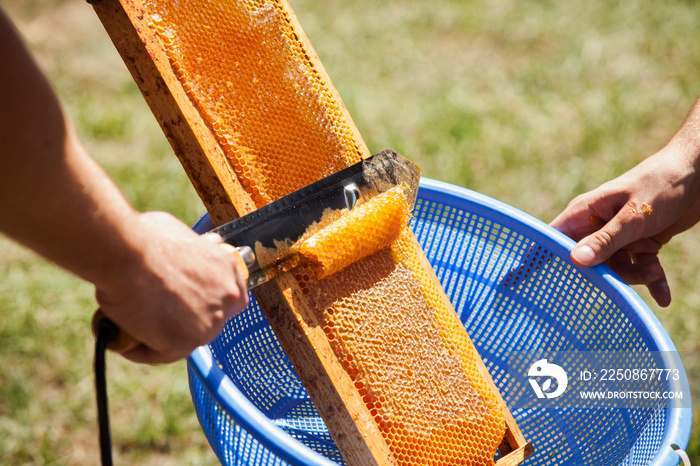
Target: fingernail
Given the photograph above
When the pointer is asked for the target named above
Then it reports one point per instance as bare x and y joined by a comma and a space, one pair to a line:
583, 254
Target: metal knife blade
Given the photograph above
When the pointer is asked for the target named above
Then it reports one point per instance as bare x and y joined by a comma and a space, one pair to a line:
285, 220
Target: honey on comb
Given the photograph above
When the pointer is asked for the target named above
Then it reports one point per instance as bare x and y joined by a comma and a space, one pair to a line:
272, 113
389, 323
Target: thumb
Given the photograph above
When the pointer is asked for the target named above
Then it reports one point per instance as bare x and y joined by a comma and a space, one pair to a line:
599, 246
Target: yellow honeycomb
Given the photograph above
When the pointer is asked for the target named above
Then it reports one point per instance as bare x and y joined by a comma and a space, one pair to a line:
400, 341
377, 222
386, 317
243, 66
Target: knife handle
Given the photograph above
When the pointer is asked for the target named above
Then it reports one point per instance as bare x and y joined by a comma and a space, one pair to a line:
119, 341
116, 339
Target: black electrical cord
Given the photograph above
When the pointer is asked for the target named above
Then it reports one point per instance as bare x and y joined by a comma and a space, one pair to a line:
105, 332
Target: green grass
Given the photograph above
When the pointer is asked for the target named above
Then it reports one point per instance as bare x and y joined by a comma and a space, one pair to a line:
530, 102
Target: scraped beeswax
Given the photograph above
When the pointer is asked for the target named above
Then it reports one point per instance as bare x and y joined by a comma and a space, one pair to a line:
387, 319
365, 230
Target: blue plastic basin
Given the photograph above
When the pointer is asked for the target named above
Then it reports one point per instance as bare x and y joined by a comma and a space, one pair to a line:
510, 280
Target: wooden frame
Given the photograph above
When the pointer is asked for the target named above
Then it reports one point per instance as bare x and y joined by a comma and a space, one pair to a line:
331, 389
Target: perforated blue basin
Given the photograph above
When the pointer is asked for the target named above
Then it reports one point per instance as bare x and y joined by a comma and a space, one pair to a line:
512, 284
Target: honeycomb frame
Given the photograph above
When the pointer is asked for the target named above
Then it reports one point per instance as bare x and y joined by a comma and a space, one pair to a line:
225, 197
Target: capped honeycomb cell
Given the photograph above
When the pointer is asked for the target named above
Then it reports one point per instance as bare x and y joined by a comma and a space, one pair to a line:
242, 64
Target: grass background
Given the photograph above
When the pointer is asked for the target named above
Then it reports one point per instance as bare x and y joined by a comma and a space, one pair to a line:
530, 102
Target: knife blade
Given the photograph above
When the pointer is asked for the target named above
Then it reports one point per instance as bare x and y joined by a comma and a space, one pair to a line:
281, 223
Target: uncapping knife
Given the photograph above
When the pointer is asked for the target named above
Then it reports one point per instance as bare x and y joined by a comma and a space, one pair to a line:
284, 221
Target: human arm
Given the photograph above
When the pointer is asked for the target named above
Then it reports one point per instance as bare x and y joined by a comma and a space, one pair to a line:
626, 221
163, 284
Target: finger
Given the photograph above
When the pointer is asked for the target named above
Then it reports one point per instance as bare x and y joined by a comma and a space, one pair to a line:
640, 269
660, 291
142, 354
650, 267
599, 246
241, 266
235, 303
655, 278
643, 246
621, 263
235, 308
588, 212
239, 302
645, 269
213, 237
577, 221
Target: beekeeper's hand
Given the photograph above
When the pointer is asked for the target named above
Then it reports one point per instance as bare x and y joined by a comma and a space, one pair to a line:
173, 290
163, 284
626, 221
